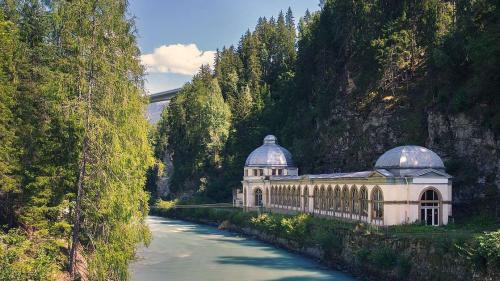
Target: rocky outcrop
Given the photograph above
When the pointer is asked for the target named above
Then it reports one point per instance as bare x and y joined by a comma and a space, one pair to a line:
163, 181
472, 151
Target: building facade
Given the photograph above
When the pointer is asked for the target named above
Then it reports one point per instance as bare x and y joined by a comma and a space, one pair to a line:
407, 184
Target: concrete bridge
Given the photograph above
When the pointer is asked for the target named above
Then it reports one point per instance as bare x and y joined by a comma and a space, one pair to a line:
163, 96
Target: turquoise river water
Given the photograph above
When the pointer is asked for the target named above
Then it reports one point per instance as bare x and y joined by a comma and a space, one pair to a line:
184, 251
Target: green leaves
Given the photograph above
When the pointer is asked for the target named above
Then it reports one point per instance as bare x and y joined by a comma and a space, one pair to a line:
52, 54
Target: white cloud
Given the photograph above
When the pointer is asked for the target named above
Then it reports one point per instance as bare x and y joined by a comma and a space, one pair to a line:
177, 58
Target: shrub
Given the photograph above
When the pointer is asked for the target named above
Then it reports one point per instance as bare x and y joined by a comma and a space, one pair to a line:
268, 223
403, 267
25, 259
362, 255
295, 228
164, 204
384, 257
484, 251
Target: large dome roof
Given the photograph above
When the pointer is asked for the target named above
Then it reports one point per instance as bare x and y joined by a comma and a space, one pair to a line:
409, 157
270, 154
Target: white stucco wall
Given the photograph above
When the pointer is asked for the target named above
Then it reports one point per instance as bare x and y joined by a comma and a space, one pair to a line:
401, 201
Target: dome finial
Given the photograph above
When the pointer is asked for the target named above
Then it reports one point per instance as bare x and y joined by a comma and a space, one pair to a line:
270, 139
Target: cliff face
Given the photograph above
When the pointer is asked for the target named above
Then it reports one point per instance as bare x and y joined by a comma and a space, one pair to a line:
473, 154
163, 180
353, 138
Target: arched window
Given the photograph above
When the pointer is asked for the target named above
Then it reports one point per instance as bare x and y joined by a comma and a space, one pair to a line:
283, 195
345, 199
297, 197
354, 200
363, 198
267, 197
337, 199
293, 196
322, 198
258, 197
244, 196
430, 207
287, 196
278, 195
315, 199
306, 199
329, 199
378, 204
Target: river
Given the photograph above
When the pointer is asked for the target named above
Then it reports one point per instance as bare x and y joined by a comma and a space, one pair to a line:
184, 251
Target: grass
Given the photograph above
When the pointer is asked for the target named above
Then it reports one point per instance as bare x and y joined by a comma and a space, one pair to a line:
464, 228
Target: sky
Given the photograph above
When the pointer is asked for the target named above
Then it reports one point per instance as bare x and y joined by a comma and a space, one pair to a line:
177, 36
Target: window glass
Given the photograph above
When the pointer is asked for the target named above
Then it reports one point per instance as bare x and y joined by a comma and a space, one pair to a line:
378, 207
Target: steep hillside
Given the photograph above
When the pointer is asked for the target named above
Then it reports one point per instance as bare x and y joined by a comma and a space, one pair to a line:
362, 77
373, 76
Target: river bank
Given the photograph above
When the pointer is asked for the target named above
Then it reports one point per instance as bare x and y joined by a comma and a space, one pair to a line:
361, 250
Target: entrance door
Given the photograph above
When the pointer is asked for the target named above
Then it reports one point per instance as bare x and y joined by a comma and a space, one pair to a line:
429, 208
258, 198
430, 215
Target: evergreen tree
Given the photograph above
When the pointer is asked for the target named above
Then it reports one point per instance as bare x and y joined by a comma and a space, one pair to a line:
72, 123
9, 165
199, 120
111, 204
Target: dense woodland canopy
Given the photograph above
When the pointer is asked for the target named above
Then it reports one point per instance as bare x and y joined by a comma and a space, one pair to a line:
319, 87
71, 122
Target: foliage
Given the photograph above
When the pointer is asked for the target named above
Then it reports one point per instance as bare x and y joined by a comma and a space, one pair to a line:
484, 251
383, 257
198, 120
166, 205
223, 114
352, 62
71, 85
27, 259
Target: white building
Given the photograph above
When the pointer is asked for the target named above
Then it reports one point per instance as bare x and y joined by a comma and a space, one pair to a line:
407, 184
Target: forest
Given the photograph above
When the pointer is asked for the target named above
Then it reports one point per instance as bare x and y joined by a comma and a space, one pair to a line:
339, 87
74, 144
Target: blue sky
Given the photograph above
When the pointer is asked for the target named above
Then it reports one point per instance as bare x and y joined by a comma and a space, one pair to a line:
176, 36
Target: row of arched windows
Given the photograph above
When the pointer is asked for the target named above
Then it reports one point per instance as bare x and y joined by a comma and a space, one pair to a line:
344, 202
348, 202
286, 196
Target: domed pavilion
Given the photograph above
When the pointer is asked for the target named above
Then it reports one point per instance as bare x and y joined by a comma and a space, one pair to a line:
407, 184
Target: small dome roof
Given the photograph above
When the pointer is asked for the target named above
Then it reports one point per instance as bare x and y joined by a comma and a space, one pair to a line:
409, 157
270, 154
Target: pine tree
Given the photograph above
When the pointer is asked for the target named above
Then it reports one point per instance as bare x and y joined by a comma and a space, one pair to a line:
9, 165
